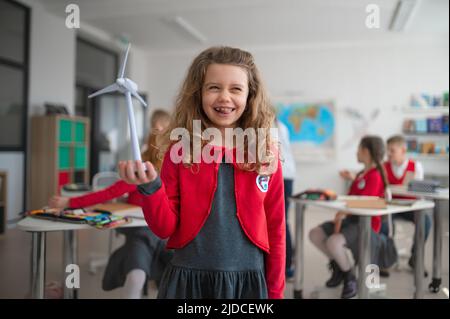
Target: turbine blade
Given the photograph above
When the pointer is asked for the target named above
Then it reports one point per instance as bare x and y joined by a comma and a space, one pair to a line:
109, 88
134, 93
124, 63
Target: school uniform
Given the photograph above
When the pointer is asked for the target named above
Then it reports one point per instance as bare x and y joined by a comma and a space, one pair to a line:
142, 249
226, 225
397, 174
401, 175
369, 183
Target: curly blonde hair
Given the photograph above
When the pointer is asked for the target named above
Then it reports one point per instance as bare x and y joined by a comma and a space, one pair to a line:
258, 113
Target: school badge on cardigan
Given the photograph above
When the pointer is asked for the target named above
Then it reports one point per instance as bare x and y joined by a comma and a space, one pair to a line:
262, 181
362, 184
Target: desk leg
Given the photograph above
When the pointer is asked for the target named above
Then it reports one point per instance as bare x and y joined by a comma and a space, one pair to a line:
37, 265
299, 267
364, 255
70, 257
419, 219
437, 246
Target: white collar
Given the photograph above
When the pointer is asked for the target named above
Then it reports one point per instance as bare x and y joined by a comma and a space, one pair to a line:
402, 165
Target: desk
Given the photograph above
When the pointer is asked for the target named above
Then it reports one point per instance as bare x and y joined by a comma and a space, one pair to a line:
364, 239
39, 228
439, 199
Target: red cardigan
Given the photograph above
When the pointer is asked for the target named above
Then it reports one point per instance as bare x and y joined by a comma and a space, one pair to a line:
369, 184
181, 206
116, 190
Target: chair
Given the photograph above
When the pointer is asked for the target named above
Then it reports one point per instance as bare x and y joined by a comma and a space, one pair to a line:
99, 181
104, 179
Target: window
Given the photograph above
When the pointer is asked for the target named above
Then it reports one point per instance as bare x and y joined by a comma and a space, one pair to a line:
95, 66
14, 26
12, 31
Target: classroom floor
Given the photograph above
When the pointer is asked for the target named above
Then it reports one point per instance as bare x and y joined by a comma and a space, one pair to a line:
15, 264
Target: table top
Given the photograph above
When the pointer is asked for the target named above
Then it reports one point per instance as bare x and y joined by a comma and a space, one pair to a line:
402, 190
42, 225
391, 209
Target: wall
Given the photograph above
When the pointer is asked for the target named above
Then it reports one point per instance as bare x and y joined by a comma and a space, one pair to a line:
52, 61
363, 76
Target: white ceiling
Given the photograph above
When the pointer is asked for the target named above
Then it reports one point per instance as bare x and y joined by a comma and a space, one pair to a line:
248, 23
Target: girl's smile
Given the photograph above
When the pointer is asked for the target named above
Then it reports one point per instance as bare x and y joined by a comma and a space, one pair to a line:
224, 111
224, 94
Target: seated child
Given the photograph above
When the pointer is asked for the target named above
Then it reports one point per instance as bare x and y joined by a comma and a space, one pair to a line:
401, 170
143, 256
333, 237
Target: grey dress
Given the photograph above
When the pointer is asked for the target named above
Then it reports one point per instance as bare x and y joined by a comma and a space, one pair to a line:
220, 262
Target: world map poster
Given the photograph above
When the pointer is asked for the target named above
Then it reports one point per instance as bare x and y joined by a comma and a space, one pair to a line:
311, 128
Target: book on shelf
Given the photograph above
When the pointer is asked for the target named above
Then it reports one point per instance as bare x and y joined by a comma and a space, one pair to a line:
429, 125
427, 147
421, 126
426, 100
412, 145
434, 125
445, 124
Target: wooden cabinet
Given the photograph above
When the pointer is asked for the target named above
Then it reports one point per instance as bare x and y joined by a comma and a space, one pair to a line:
59, 155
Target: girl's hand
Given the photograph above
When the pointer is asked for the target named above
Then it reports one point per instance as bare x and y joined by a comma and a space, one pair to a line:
338, 221
134, 173
58, 202
346, 174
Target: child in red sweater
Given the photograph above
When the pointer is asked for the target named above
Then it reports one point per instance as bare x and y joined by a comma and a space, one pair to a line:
225, 218
333, 237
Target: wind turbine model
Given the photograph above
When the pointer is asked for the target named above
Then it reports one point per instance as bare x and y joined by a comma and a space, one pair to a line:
129, 88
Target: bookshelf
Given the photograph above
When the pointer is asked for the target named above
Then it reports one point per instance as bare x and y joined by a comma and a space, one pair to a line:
426, 131
59, 155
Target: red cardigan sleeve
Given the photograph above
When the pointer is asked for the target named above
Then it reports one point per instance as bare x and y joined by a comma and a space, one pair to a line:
116, 190
275, 261
161, 209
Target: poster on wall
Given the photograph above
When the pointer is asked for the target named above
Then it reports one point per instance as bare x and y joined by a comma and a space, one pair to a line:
311, 126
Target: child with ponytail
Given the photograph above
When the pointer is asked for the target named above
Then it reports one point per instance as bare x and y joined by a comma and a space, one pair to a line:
333, 237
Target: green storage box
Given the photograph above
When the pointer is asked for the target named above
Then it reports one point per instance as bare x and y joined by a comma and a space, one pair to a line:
80, 132
80, 157
65, 130
63, 157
